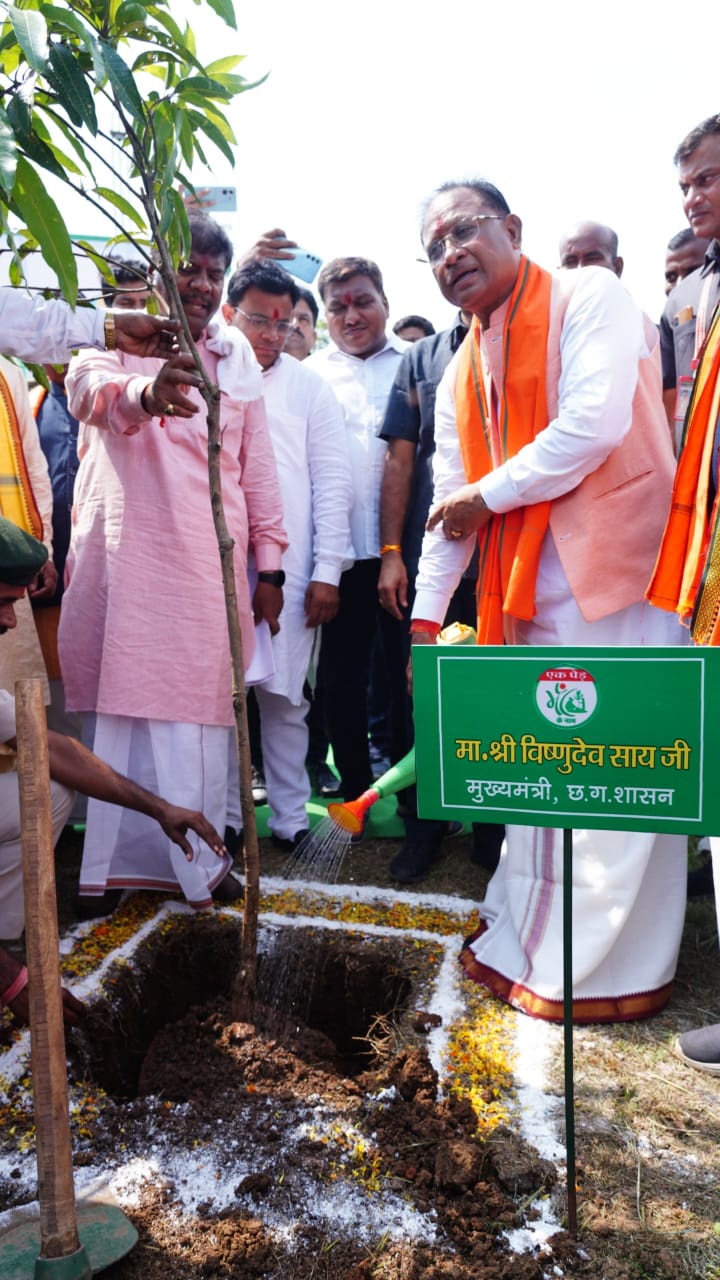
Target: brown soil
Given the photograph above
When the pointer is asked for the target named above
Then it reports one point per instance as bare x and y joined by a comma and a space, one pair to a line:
291, 1118
367, 1123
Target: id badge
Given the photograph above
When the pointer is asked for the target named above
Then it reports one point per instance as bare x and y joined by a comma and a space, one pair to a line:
682, 400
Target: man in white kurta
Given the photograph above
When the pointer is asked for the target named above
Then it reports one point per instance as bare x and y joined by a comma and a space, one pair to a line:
360, 366
604, 418
308, 437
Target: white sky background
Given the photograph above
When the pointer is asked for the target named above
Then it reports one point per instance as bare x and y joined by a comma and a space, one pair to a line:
573, 110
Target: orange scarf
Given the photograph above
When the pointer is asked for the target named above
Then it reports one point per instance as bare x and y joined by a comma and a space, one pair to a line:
509, 544
686, 578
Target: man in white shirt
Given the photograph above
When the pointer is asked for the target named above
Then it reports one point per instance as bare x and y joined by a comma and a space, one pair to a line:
311, 452
360, 367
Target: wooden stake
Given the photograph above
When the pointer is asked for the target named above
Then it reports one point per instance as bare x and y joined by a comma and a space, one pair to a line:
58, 1220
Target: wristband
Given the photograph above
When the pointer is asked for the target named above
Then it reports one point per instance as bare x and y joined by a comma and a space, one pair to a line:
110, 332
272, 578
389, 546
421, 626
18, 984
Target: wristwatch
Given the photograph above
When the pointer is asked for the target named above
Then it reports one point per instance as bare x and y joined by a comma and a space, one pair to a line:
274, 579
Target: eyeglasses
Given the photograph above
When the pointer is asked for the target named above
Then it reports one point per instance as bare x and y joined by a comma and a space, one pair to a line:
462, 233
263, 324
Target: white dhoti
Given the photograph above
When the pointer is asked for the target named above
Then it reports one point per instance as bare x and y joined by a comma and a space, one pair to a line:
186, 764
629, 889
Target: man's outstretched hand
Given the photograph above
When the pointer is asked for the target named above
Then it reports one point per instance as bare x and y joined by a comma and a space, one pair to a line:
176, 822
140, 334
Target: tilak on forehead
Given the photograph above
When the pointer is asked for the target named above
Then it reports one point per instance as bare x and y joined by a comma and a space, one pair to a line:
439, 228
347, 297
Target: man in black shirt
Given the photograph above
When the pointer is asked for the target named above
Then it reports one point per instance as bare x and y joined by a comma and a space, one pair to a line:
405, 498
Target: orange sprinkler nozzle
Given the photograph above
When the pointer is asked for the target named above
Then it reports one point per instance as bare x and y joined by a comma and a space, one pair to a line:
350, 815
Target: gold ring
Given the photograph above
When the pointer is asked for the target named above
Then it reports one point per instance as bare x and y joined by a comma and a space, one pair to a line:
169, 410
456, 533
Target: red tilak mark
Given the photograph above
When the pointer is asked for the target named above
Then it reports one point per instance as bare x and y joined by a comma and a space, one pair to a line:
276, 314
347, 299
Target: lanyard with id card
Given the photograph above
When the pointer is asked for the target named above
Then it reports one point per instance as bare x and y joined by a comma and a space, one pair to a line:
682, 400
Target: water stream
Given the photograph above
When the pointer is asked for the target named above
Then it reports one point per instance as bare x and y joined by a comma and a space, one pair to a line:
286, 981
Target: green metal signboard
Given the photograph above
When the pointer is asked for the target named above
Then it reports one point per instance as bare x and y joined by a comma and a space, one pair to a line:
621, 739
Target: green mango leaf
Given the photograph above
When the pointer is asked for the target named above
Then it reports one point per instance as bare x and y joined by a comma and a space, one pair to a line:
205, 86
66, 161
199, 152
213, 133
15, 273
31, 31
69, 80
151, 63
39, 375
225, 64
124, 206
8, 154
130, 15
69, 136
38, 151
122, 81
233, 85
186, 140
43, 219
10, 54
225, 9
219, 120
178, 232
183, 43
68, 20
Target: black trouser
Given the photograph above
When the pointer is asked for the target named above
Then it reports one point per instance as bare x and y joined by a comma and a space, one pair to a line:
347, 648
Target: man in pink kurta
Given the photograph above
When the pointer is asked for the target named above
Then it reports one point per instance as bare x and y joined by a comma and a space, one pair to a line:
143, 633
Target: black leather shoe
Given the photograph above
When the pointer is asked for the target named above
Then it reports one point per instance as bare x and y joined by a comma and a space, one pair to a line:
92, 906
412, 862
700, 883
288, 844
228, 890
487, 845
233, 841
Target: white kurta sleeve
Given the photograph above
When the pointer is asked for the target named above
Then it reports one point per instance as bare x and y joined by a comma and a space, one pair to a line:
601, 342
331, 483
36, 330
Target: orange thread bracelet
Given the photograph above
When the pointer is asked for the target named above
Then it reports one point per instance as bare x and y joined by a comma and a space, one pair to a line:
390, 546
421, 626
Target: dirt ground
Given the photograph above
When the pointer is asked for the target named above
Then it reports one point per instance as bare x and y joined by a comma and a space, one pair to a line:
342, 1130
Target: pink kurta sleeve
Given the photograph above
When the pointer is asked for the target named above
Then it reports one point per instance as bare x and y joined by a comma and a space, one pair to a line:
262, 490
103, 393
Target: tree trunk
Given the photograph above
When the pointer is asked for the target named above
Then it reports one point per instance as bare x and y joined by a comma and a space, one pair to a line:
243, 991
